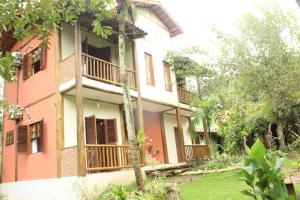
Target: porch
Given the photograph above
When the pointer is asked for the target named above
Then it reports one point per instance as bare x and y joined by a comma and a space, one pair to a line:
116, 157
195, 151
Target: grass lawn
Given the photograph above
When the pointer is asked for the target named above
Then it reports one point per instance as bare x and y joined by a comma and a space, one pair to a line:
218, 186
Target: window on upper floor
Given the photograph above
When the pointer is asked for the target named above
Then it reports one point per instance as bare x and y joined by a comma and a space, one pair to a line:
167, 75
33, 62
30, 138
149, 69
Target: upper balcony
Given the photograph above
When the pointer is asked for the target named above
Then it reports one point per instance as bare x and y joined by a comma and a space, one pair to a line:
96, 69
99, 58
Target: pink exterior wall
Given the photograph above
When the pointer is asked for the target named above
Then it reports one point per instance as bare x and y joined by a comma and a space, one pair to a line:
32, 91
153, 132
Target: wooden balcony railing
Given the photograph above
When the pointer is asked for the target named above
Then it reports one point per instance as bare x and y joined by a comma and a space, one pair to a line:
107, 157
102, 70
184, 95
195, 151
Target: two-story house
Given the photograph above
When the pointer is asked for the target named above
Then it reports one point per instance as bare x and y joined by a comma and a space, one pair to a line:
74, 124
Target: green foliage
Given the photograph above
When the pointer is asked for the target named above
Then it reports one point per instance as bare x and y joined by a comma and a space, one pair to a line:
262, 174
140, 138
155, 189
261, 64
6, 71
38, 19
205, 110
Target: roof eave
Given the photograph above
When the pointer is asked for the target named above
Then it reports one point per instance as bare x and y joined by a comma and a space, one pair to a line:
162, 14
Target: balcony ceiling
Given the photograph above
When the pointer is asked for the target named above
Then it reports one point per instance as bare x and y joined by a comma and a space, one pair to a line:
132, 31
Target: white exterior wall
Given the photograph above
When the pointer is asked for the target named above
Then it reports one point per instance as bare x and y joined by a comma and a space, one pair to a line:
66, 187
156, 43
104, 111
68, 44
170, 122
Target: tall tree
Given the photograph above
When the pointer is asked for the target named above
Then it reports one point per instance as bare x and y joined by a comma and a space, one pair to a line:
264, 59
185, 65
125, 11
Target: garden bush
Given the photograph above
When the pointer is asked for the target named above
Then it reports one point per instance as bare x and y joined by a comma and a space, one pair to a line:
217, 161
155, 189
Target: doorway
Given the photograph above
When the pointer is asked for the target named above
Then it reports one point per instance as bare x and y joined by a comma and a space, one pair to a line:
100, 131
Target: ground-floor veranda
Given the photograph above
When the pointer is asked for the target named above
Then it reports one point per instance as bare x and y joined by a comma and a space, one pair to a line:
106, 146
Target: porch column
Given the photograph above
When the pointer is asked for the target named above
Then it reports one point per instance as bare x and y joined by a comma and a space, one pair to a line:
79, 103
140, 114
180, 132
163, 136
59, 103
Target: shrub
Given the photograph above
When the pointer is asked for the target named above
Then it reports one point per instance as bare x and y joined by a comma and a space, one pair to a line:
262, 174
155, 189
218, 161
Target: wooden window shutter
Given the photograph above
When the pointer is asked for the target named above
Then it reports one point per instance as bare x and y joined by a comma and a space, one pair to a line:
111, 131
22, 139
91, 130
167, 74
43, 58
25, 67
36, 130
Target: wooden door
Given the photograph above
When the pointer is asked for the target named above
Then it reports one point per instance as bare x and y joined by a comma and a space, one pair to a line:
90, 130
178, 145
111, 131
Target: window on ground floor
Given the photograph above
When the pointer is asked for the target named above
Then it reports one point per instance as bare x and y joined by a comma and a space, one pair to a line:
200, 139
9, 138
30, 138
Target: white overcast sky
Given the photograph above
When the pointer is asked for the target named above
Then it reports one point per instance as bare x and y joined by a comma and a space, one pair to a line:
195, 17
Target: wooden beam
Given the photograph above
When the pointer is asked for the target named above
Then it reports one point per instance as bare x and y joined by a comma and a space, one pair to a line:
79, 103
163, 136
180, 131
122, 122
59, 105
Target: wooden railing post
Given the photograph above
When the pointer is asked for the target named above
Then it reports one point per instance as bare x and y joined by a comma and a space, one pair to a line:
107, 157
102, 70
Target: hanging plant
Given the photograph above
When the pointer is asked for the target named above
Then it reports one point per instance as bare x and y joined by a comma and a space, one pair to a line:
15, 112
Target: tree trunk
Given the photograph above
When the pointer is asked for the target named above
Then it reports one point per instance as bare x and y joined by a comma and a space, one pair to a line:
280, 134
134, 150
204, 122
